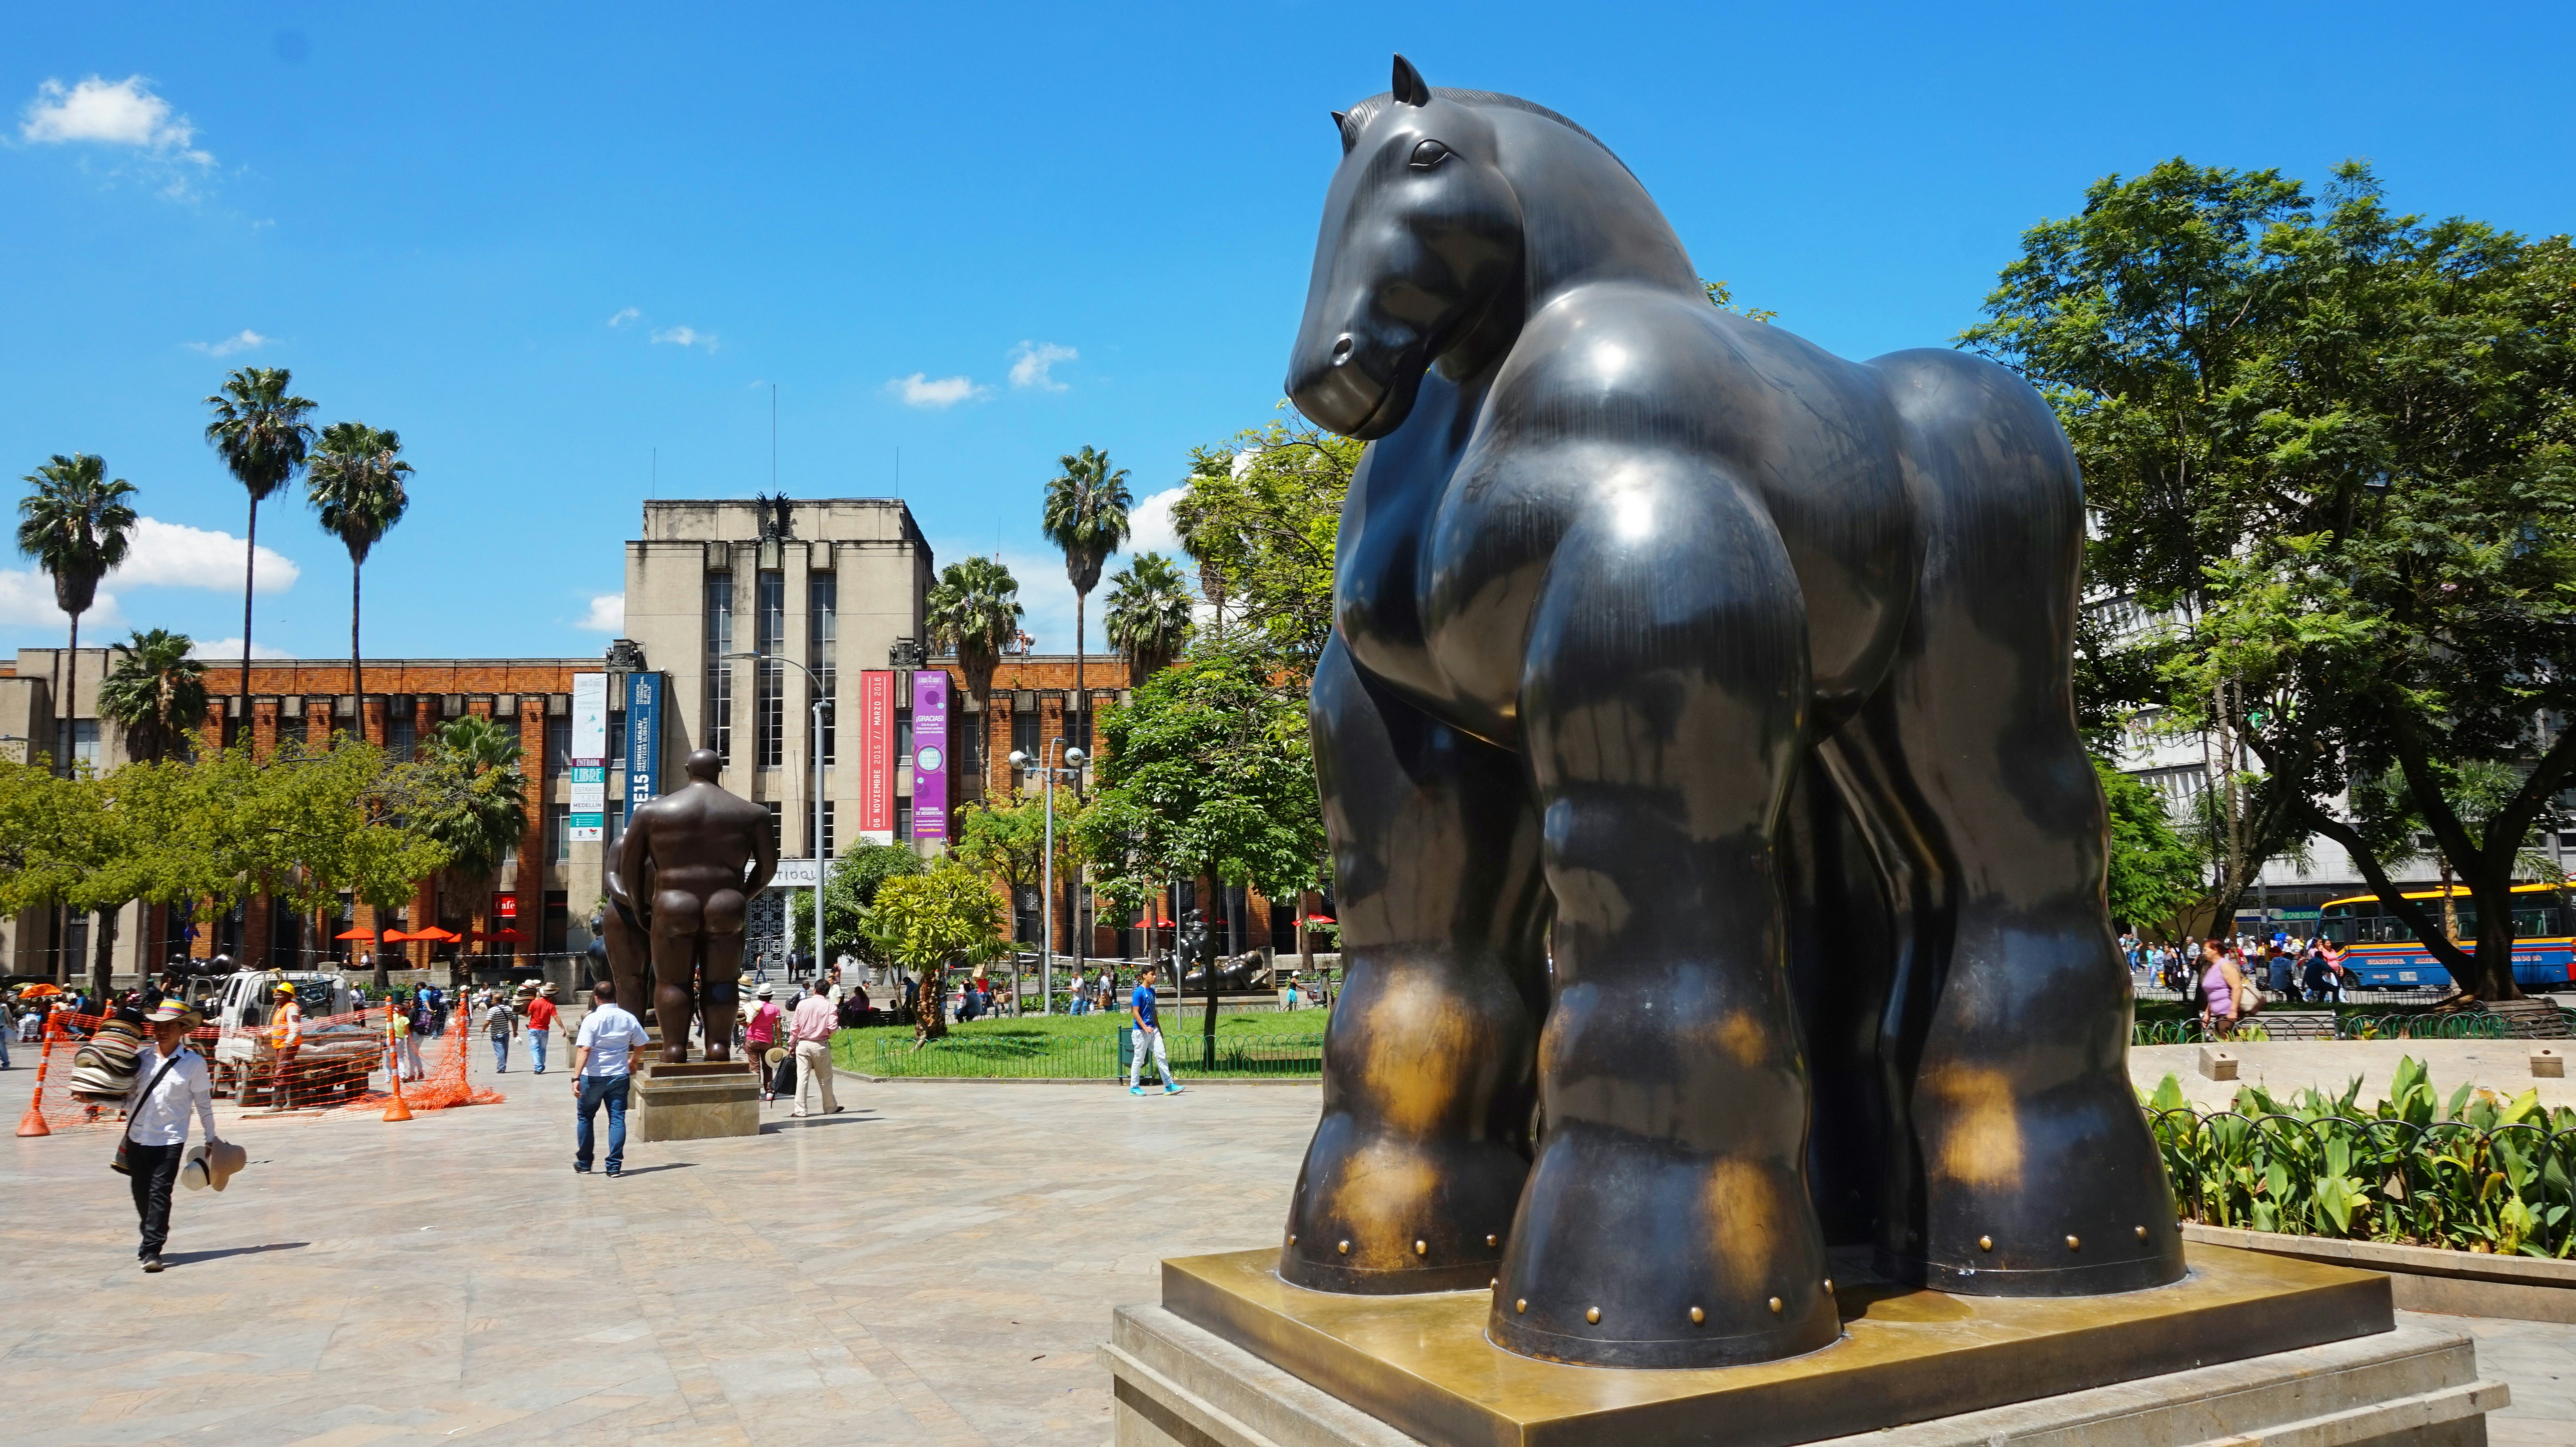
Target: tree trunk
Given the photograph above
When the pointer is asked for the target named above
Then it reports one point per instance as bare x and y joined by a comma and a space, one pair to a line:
1305, 941
2491, 888
70, 706
357, 670
250, 576
102, 969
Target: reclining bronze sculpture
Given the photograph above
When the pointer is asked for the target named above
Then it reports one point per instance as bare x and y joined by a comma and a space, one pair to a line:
1698, 754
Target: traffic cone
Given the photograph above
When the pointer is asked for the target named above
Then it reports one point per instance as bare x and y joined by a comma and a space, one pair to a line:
396, 1110
33, 1122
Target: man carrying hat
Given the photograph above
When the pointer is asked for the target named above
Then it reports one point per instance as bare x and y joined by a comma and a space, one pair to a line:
169, 1081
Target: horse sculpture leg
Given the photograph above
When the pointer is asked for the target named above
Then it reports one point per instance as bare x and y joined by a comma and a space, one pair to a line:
2019, 1162
1667, 1220
1410, 1180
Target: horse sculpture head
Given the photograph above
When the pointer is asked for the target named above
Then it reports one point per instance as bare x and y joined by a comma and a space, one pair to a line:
1421, 234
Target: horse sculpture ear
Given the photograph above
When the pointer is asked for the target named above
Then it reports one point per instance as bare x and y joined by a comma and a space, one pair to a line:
1342, 128
1410, 87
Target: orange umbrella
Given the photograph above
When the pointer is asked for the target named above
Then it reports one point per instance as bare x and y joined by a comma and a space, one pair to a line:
393, 936
356, 934
33, 991
433, 932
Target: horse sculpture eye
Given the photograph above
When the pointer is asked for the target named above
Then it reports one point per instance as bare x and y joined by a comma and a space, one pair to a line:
1428, 154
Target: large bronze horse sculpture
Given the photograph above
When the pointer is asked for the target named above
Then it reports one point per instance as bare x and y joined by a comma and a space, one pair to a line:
1698, 753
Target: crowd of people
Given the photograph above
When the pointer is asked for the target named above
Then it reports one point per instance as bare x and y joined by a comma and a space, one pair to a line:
2226, 980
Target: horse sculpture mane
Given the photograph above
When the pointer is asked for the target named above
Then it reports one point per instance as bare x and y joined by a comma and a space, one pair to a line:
1356, 119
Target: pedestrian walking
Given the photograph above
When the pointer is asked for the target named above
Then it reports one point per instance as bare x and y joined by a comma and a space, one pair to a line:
760, 1035
2219, 981
1149, 1036
810, 1029
541, 1023
286, 1039
500, 1024
600, 1061
170, 1085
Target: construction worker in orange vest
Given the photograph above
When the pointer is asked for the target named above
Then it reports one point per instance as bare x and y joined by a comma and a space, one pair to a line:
286, 1037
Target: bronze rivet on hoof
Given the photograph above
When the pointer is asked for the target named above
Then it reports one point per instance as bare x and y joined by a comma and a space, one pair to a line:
1493, 1282
2073, 1244
1491, 1239
1592, 1314
1421, 1248
1829, 1286
1521, 1305
1985, 1243
1775, 1306
2142, 1233
1292, 1238
1345, 1248
1698, 1316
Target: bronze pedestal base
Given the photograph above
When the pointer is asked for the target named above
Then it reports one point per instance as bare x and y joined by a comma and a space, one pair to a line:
697, 1101
1423, 1365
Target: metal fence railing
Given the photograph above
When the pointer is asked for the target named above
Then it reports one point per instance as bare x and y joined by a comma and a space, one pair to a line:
1004, 1053
2455, 1025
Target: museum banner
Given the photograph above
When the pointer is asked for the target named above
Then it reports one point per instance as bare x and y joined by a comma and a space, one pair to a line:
643, 739
930, 754
876, 756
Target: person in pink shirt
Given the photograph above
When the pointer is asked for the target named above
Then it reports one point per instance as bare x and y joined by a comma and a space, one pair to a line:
759, 1033
810, 1028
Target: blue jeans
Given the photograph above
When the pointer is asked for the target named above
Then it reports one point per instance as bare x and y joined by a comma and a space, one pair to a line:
500, 1052
537, 1048
596, 1089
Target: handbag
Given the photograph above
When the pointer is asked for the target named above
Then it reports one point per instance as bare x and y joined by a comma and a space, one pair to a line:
127, 1135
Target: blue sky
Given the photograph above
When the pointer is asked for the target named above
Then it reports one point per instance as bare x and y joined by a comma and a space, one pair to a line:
547, 244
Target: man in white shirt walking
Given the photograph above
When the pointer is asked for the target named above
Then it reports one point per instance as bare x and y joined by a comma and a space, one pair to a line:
170, 1082
600, 1057
810, 1028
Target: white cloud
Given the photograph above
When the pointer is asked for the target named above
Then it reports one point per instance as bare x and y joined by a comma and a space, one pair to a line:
27, 601
686, 337
216, 650
919, 390
175, 555
623, 316
1150, 528
125, 113
240, 341
1030, 362
607, 614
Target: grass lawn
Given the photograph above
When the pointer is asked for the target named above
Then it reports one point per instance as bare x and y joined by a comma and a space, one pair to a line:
1085, 1047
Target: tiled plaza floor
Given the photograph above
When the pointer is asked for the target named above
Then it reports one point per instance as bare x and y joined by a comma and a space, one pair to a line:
936, 1265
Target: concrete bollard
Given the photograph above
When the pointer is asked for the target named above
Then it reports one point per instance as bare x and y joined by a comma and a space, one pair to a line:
2217, 1064
2548, 1063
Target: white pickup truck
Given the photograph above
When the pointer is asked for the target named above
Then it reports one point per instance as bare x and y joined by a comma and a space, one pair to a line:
240, 1011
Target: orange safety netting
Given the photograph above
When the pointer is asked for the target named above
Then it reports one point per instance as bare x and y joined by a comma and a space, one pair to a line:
335, 1065
426, 1084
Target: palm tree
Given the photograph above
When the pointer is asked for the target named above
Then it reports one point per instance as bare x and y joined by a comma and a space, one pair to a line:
1148, 616
478, 808
356, 481
260, 429
974, 612
156, 691
74, 524
1086, 515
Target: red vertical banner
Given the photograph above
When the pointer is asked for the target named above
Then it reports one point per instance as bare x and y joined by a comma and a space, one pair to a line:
876, 756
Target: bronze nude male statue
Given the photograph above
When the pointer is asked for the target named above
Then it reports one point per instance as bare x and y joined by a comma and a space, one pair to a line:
1720, 870
685, 871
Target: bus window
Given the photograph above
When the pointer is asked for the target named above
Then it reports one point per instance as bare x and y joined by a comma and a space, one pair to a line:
2338, 931
2532, 923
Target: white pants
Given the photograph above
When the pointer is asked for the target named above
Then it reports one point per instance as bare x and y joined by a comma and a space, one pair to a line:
1148, 1039
814, 1068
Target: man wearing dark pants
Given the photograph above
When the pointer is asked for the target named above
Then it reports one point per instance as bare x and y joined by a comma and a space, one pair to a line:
156, 1127
599, 1064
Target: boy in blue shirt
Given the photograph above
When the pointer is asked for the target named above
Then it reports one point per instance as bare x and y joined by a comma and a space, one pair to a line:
1149, 1034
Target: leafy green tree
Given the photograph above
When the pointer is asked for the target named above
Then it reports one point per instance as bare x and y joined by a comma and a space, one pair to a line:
471, 799
1722, 297
1086, 516
2329, 456
155, 691
974, 612
74, 523
1008, 841
2476, 790
1148, 618
847, 897
1260, 512
2154, 872
945, 915
261, 433
355, 481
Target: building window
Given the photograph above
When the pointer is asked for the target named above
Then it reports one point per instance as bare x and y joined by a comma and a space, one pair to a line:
719, 730
902, 736
1077, 726
289, 730
966, 734
902, 820
770, 713
616, 737
822, 639
559, 832
614, 819
1024, 733
402, 735
829, 841
558, 745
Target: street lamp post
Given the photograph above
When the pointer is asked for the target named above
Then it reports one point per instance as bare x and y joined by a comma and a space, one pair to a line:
814, 746
1072, 764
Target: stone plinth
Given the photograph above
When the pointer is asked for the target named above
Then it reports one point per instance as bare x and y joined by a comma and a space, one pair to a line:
695, 1101
2307, 1355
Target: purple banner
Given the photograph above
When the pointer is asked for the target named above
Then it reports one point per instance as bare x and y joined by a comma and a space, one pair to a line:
930, 754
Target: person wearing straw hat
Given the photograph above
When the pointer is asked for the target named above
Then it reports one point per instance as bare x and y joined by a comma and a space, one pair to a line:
170, 1084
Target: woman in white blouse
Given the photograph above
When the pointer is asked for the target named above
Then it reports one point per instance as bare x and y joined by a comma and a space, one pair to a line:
156, 1125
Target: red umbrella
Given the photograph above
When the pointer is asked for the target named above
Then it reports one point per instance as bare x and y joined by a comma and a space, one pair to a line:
433, 932
505, 932
1153, 924
1321, 919
357, 934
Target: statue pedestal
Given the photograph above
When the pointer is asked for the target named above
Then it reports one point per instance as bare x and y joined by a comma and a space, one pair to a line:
696, 1101
2242, 1347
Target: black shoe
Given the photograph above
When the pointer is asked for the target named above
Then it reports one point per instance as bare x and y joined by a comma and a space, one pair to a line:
581, 1170
152, 1262
613, 1175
